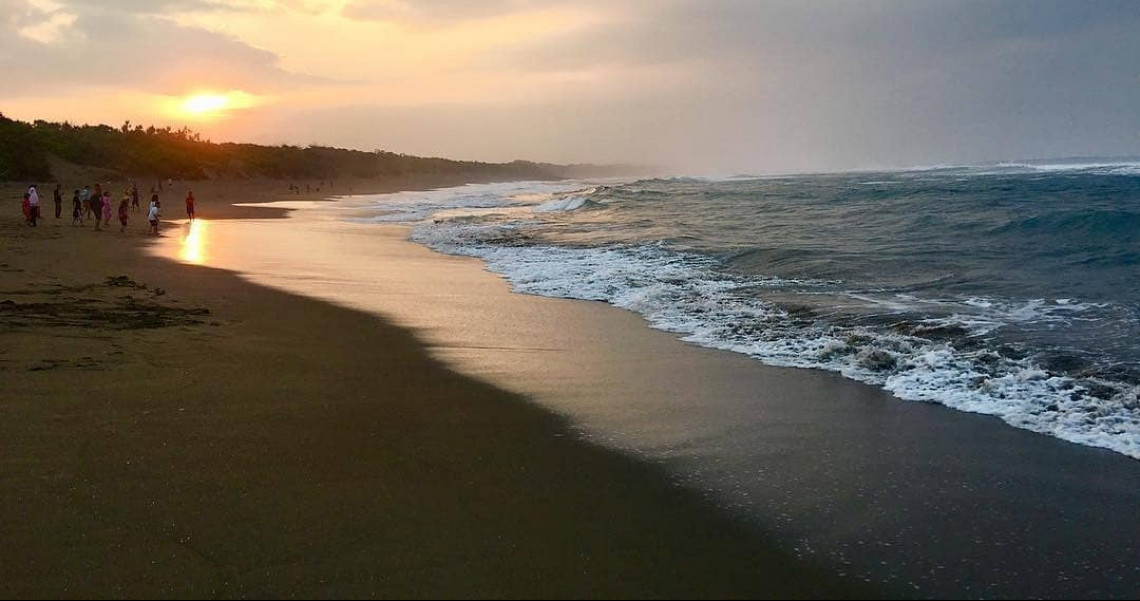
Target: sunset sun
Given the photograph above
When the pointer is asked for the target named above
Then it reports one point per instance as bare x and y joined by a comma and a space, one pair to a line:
210, 105
205, 104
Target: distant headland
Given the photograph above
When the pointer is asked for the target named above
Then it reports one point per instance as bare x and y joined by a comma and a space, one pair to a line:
40, 150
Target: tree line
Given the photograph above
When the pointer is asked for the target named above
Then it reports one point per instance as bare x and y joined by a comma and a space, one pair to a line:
134, 151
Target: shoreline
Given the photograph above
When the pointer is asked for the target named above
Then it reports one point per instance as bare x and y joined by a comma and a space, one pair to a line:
923, 498
208, 437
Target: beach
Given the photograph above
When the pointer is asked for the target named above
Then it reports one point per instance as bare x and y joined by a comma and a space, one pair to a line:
294, 402
921, 500
543, 300
173, 430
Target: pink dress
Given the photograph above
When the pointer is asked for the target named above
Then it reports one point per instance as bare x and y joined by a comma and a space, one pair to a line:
106, 208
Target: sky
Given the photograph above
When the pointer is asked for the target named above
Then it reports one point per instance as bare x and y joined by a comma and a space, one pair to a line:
695, 86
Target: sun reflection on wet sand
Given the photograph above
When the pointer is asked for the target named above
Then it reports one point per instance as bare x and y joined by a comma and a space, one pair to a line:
193, 248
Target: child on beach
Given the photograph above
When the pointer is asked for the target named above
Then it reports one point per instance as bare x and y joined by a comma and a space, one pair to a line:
76, 209
26, 207
107, 207
152, 216
124, 211
85, 198
190, 205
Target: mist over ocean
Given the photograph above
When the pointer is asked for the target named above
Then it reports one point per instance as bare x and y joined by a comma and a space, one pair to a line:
1010, 290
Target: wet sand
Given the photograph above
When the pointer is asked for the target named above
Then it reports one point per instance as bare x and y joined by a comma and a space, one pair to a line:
173, 430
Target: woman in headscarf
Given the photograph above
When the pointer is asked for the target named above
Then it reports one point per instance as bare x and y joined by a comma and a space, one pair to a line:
33, 205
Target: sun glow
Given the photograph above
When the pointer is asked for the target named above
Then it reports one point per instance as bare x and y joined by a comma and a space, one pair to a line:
204, 103
204, 106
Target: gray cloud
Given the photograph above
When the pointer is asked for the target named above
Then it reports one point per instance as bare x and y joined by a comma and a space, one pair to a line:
125, 7
846, 84
119, 47
140, 7
437, 11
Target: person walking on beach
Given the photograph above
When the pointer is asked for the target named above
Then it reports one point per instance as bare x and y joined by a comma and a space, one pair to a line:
58, 198
134, 196
190, 205
85, 198
153, 215
107, 207
76, 209
97, 202
124, 212
33, 205
26, 209
95, 205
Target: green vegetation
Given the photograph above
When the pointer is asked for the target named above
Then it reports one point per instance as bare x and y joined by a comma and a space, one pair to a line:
27, 150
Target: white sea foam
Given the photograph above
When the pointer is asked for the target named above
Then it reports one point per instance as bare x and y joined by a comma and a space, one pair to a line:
564, 203
1109, 168
686, 294
416, 205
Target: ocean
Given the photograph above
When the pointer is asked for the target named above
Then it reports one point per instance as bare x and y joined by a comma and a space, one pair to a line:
1009, 290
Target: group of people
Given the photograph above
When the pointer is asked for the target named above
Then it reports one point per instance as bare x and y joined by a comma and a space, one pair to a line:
98, 203
296, 189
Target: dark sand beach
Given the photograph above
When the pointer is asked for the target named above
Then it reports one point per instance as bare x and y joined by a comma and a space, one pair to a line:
408, 427
172, 430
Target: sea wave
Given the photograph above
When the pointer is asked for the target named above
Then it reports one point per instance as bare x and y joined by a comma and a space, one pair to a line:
416, 205
922, 300
1083, 224
1106, 168
933, 360
565, 203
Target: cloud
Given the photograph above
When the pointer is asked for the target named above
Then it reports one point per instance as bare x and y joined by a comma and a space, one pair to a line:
849, 83
53, 28
146, 52
439, 11
156, 7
